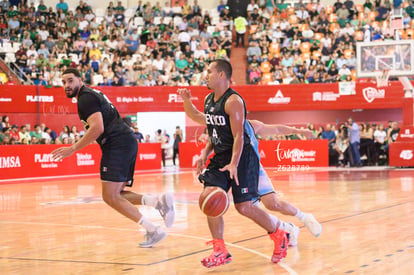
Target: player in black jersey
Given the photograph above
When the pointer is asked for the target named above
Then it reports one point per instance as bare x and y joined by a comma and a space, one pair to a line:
119, 151
235, 164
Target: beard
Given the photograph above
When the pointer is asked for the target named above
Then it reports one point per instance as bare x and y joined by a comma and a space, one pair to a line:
70, 93
209, 86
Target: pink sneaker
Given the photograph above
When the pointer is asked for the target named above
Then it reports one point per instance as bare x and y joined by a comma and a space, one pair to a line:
220, 255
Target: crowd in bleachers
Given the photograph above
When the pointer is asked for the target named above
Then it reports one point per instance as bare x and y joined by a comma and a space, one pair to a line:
146, 45
313, 42
151, 44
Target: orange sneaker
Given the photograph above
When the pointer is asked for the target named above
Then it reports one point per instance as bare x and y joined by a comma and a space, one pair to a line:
220, 255
279, 237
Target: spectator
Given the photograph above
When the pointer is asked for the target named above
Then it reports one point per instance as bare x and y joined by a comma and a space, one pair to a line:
37, 132
138, 135
160, 138
302, 14
24, 135
132, 45
251, 6
62, 6
354, 140
240, 24
253, 50
5, 122
178, 137
221, 6
344, 72
380, 140
13, 23
14, 133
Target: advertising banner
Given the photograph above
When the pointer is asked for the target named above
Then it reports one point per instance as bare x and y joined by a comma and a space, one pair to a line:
330, 96
32, 161
406, 134
189, 153
294, 154
285, 155
401, 154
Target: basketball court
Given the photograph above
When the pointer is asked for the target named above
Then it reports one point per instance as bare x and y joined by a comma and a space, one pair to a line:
63, 227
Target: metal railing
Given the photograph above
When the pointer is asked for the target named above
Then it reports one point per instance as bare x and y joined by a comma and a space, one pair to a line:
17, 72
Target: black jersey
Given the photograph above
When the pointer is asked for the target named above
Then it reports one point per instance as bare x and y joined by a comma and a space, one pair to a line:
218, 123
394, 134
91, 101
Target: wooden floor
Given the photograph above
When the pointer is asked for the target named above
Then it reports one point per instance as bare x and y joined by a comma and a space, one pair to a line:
63, 227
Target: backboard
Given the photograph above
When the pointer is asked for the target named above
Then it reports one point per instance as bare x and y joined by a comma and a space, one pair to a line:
397, 56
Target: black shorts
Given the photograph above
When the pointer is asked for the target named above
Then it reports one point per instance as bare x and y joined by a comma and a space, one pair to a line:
118, 159
247, 173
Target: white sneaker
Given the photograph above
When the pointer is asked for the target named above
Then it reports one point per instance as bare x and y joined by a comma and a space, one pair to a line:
152, 238
293, 232
166, 208
313, 225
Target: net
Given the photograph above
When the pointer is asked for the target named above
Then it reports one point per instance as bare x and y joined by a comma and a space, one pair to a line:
382, 77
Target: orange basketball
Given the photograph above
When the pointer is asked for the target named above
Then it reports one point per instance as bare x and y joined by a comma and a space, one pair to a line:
214, 201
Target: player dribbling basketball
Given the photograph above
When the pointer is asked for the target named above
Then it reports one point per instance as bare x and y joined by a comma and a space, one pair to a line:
235, 164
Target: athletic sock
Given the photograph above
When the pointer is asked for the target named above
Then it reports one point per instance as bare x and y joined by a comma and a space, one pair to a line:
149, 200
149, 226
275, 220
283, 225
300, 215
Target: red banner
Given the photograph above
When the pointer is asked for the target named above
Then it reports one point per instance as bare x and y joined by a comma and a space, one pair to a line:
33, 99
283, 154
401, 154
31, 161
189, 153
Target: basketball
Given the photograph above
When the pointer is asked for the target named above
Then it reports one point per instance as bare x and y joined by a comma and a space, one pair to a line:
214, 202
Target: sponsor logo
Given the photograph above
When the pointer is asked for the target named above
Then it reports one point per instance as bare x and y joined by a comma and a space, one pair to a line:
406, 154
178, 99
84, 159
325, 96
371, 93
295, 155
147, 156
46, 160
5, 99
279, 99
134, 99
10, 162
39, 98
215, 120
407, 134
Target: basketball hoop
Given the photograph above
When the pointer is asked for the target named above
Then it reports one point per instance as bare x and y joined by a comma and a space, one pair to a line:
382, 77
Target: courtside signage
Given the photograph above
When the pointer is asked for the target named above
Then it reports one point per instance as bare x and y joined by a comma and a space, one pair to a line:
35, 161
406, 134
401, 154
273, 153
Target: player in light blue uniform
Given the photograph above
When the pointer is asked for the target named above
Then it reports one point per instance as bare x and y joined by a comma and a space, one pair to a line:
265, 188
